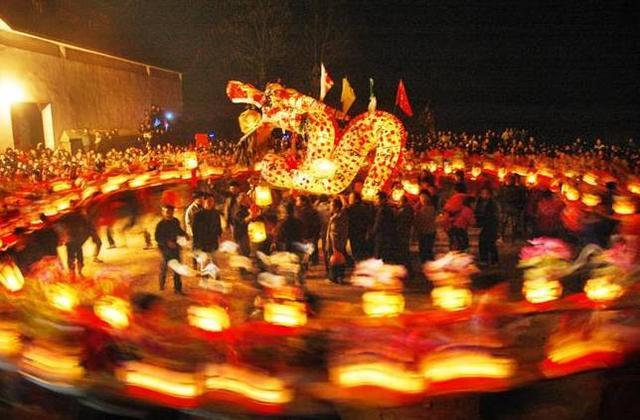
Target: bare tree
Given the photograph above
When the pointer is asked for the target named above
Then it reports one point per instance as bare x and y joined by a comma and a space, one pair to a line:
255, 35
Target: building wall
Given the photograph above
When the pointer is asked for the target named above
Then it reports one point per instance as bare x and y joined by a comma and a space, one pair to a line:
86, 90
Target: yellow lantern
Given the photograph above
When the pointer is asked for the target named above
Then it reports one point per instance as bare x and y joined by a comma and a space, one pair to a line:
542, 290
602, 289
432, 166
191, 160
11, 277
208, 318
323, 168
623, 205
488, 165
382, 304
570, 192
451, 298
590, 178
458, 164
249, 383
10, 339
590, 200
114, 311
475, 172
447, 168
62, 296
465, 364
140, 180
249, 120
634, 187
393, 376
532, 178
60, 186
89, 192
53, 362
165, 381
410, 187
263, 196
288, 314
573, 349
397, 194
257, 232
502, 173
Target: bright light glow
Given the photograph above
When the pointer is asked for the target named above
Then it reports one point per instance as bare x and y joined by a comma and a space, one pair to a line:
382, 304
263, 196
451, 298
11, 92
397, 194
257, 232
571, 350
208, 318
602, 289
62, 296
475, 172
10, 342
570, 192
11, 277
502, 173
634, 187
590, 178
384, 375
165, 381
52, 362
323, 168
590, 200
169, 115
190, 160
456, 365
250, 384
114, 311
623, 205
542, 290
411, 187
532, 178
289, 314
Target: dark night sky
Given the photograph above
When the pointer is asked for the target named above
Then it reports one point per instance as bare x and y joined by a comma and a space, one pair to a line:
553, 67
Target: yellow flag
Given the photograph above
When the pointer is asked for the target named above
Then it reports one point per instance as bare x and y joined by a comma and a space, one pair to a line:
348, 96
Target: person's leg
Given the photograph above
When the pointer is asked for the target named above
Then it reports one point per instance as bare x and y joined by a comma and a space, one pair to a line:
430, 241
98, 244
71, 258
112, 242
163, 272
80, 259
483, 248
422, 248
493, 252
147, 238
315, 256
177, 283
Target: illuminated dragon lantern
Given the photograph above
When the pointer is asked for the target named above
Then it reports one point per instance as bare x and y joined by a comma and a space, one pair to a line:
332, 158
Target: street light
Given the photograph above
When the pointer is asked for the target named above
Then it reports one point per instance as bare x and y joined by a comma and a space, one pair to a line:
11, 92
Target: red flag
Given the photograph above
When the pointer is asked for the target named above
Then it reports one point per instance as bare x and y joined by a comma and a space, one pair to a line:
402, 100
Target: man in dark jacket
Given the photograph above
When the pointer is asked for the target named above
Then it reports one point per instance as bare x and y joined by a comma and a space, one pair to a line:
311, 223
404, 223
383, 232
487, 219
207, 227
78, 230
166, 235
360, 220
289, 229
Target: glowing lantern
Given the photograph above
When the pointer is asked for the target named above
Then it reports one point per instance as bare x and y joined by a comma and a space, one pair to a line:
623, 205
532, 178
570, 192
11, 277
191, 160
458, 164
10, 340
257, 232
590, 200
602, 289
165, 381
60, 186
397, 194
248, 383
542, 290
52, 362
113, 184
114, 311
451, 298
258, 166
381, 374
249, 120
140, 180
475, 172
263, 196
382, 304
432, 166
88, 192
573, 349
634, 187
63, 204
323, 168
466, 364
488, 166
447, 168
411, 187
546, 172
288, 314
62, 296
208, 318
590, 178
502, 173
